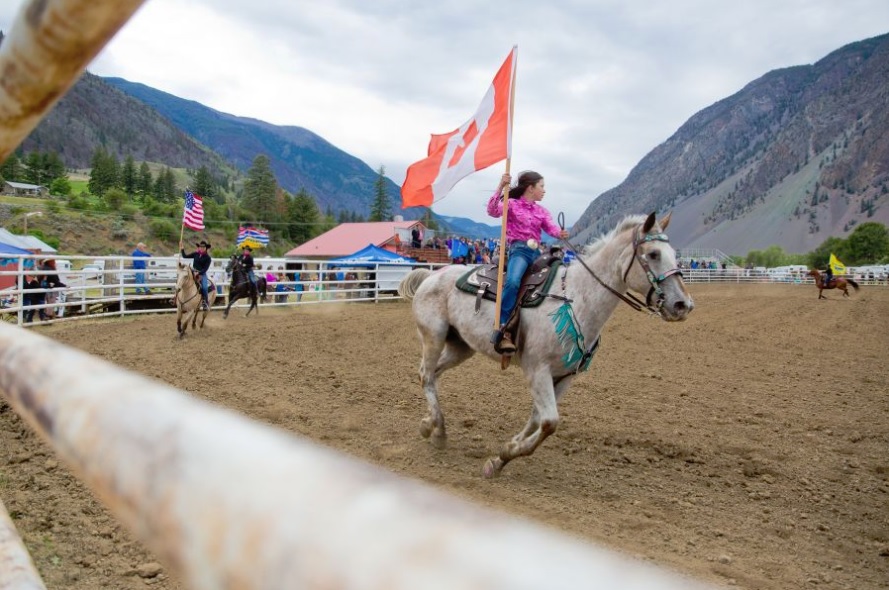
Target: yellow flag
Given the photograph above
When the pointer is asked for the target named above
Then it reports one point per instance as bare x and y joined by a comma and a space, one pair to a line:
836, 266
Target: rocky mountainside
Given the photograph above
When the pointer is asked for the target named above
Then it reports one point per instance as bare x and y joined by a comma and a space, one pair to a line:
799, 155
299, 158
133, 119
94, 114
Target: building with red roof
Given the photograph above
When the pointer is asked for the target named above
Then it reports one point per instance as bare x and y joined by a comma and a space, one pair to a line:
347, 238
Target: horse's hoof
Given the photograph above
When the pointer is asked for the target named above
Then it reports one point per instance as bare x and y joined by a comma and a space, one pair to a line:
426, 427
439, 441
492, 467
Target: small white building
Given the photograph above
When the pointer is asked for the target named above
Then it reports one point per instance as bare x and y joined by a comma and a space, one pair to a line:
21, 189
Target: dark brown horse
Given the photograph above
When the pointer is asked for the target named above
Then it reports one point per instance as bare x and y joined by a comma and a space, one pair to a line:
841, 283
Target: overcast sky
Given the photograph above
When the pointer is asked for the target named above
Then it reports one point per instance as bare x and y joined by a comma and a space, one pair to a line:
600, 83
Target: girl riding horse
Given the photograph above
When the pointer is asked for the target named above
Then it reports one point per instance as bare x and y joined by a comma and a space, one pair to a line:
841, 283
556, 339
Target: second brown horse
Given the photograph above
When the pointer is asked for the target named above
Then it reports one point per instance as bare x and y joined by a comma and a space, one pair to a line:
841, 283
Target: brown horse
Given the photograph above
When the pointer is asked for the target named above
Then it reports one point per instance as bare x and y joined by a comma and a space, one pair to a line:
841, 283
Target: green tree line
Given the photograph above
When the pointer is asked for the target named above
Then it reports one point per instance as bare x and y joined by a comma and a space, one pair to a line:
867, 244
129, 187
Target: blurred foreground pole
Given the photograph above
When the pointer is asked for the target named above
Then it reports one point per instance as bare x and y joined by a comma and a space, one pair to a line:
17, 571
49, 46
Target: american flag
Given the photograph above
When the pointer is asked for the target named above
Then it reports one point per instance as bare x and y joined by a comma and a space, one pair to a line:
194, 211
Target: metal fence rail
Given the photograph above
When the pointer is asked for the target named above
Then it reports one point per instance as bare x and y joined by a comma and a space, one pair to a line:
231, 503
109, 289
106, 286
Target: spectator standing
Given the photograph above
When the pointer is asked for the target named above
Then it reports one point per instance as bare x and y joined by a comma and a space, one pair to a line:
139, 265
32, 283
50, 280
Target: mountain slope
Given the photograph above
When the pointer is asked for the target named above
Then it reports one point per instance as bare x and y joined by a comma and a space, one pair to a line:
796, 156
95, 114
299, 158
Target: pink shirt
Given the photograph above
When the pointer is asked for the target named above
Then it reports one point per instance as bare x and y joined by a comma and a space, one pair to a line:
525, 219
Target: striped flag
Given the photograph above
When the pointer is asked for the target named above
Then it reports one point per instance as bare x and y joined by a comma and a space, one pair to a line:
250, 236
483, 140
194, 211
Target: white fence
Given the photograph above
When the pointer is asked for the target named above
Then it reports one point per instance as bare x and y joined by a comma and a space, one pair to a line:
109, 286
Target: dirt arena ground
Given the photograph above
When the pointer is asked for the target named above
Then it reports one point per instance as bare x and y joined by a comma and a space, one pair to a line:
748, 446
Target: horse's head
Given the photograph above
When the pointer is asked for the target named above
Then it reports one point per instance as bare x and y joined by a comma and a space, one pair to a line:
813, 273
653, 270
183, 273
232, 262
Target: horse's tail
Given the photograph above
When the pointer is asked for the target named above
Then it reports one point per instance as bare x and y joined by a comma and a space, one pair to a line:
853, 283
408, 286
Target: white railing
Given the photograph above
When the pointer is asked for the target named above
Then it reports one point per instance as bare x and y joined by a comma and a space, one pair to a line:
107, 286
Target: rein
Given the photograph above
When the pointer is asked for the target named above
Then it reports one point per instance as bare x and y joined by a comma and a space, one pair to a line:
180, 289
653, 279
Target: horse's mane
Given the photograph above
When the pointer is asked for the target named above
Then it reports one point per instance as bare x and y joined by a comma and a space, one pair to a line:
624, 224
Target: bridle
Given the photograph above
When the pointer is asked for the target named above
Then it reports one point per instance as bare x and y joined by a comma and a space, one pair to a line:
654, 280
183, 279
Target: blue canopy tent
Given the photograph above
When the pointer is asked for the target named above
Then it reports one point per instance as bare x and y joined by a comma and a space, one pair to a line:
368, 257
9, 254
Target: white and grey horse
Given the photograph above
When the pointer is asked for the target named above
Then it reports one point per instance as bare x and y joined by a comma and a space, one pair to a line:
556, 338
188, 299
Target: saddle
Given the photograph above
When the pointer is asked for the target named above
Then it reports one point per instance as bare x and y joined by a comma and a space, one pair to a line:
482, 282
211, 286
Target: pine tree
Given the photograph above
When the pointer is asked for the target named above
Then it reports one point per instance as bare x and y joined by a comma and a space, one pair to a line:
165, 186
33, 172
129, 176
381, 209
144, 182
204, 184
12, 169
303, 217
104, 173
53, 167
260, 189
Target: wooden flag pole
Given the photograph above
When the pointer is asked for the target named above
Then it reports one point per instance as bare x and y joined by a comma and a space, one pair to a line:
182, 229
501, 259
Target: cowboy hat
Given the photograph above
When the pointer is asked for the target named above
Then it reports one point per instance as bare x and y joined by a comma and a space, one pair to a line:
246, 247
204, 243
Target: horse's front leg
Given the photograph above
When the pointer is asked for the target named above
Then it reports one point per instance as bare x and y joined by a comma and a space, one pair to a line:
179, 322
228, 307
544, 420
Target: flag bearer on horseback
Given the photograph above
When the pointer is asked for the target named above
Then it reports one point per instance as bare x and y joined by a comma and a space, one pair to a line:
246, 259
828, 276
525, 219
201, 264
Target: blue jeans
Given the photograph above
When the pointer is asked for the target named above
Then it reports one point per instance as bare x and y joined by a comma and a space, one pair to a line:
252, 276
140, 280
520, 258
205, 287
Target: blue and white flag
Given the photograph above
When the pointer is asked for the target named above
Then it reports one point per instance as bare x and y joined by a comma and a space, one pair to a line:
250, 236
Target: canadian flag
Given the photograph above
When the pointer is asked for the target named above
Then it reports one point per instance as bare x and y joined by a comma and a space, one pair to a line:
483, 140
